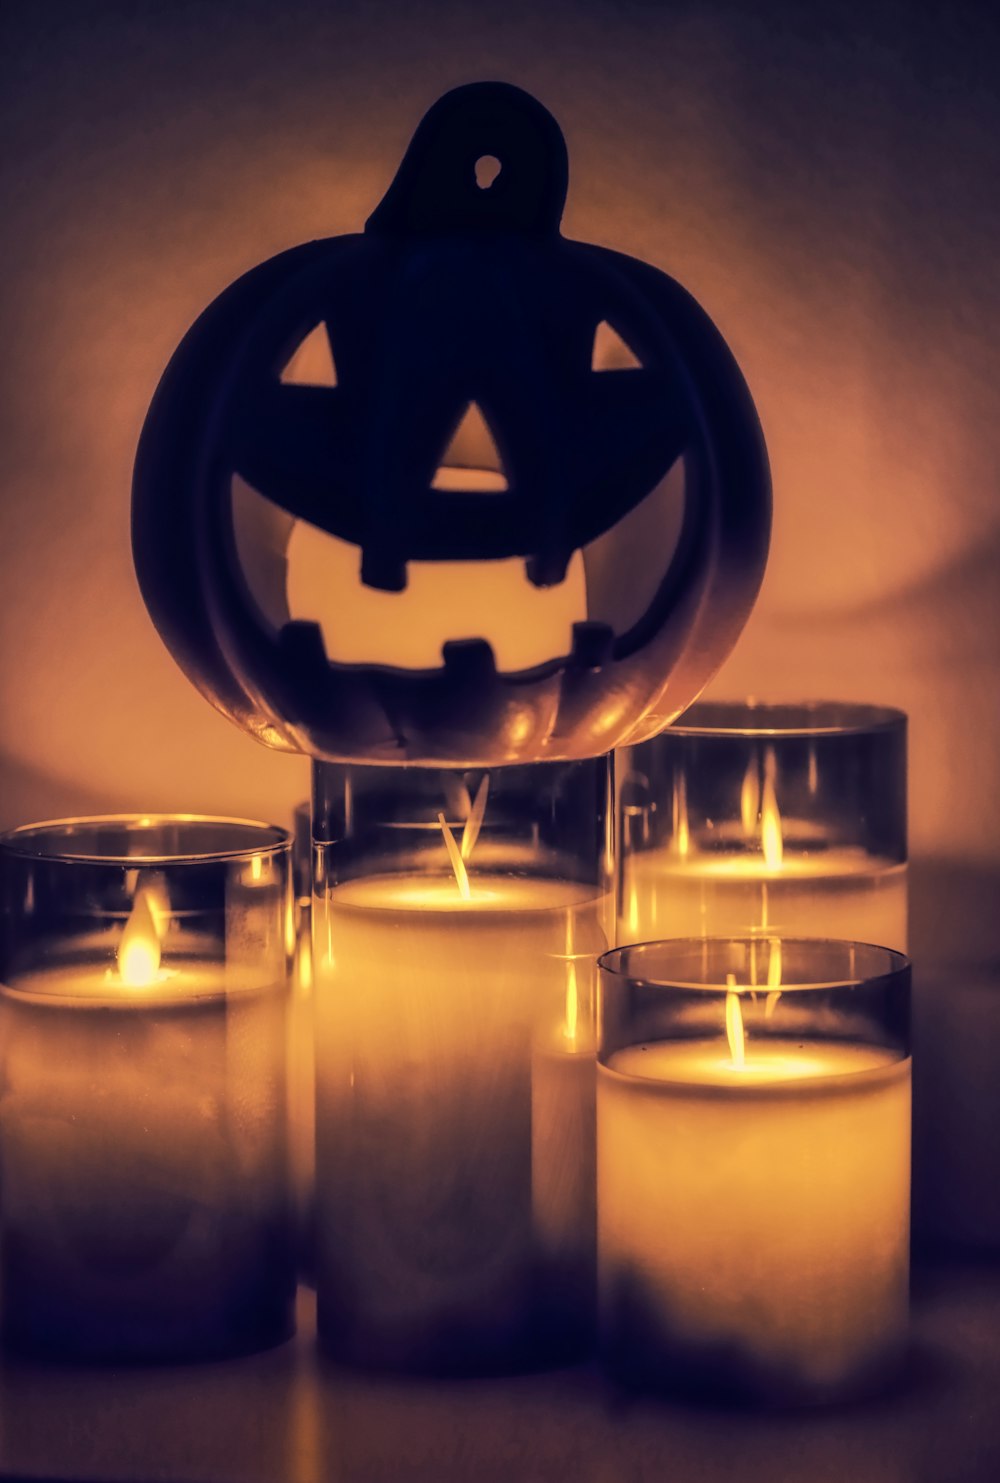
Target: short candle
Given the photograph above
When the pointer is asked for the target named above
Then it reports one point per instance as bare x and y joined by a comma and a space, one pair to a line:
787, 820
753, 1193
144, 1211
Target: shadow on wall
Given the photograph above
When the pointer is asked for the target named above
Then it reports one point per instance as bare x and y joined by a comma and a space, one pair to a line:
956, 1089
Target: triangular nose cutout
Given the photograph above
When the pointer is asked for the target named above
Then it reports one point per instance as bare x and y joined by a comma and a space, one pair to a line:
611, 352
471, 451
312, 363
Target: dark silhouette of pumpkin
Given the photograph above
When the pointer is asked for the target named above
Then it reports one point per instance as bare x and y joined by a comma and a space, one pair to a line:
454, 489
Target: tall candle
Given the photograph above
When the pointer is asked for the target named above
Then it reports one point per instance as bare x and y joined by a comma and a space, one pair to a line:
427, 1005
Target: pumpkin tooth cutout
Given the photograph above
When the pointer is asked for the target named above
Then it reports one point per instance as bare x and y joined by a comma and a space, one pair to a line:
312, 364
291, 575
611, 352
523, 625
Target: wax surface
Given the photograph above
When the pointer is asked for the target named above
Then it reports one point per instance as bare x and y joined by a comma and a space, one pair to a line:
754, 1224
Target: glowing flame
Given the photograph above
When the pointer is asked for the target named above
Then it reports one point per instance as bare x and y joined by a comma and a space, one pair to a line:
455, 856
139, 949
770, 827
572, 1004
682, 832
256, 868
813, 770
734, 1024
474, 821
773, 978
750, 799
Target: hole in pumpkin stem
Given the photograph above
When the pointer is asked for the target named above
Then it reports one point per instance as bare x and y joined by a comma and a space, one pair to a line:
487, 169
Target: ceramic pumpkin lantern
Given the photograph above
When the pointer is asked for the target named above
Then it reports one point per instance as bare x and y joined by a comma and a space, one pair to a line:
454, 489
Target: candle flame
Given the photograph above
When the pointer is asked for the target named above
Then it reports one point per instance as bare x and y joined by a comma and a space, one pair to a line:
256, 868
455, 856
139, 949
682, 831
750, 799
474, 821
770, 827
734, 1024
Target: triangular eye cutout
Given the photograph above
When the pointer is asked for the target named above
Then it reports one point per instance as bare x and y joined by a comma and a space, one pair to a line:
312, 363
471, 460
611, 352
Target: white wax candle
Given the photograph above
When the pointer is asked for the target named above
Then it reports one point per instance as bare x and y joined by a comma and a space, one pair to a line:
753, 1222
426, 1012
144, 1209
836, 892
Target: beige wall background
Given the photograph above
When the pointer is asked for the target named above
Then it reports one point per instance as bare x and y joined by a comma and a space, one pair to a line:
822, 176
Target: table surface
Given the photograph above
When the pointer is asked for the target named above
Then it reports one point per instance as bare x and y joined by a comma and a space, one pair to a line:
288, 1416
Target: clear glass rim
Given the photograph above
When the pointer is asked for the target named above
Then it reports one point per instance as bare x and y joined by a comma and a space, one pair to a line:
793, 718
878, 963
52, 839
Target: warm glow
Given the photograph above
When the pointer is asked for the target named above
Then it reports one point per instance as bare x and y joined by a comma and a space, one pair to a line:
139, 949
734, 1024
572, 1003
750, 799
773, 978
474, 821
256, 868
158, 901
319, 576
457, 863
682, 832
770, 827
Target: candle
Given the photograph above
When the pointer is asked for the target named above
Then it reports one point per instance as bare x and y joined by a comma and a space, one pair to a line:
788, 820
144, 1209
753, 1205
427, 1000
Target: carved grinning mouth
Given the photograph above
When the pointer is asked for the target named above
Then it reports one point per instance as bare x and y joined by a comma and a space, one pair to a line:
297, 574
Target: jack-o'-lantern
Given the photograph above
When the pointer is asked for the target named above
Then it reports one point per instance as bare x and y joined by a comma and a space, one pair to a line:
455, 489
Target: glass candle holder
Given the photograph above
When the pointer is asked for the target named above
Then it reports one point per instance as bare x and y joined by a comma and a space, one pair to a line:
753, 1157
301, 1067
144, 1204
788, 819
457, 919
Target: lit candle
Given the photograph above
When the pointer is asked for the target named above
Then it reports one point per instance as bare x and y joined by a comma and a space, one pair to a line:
753, 1207
428, 989
760, 818
144, 1210
772, 875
